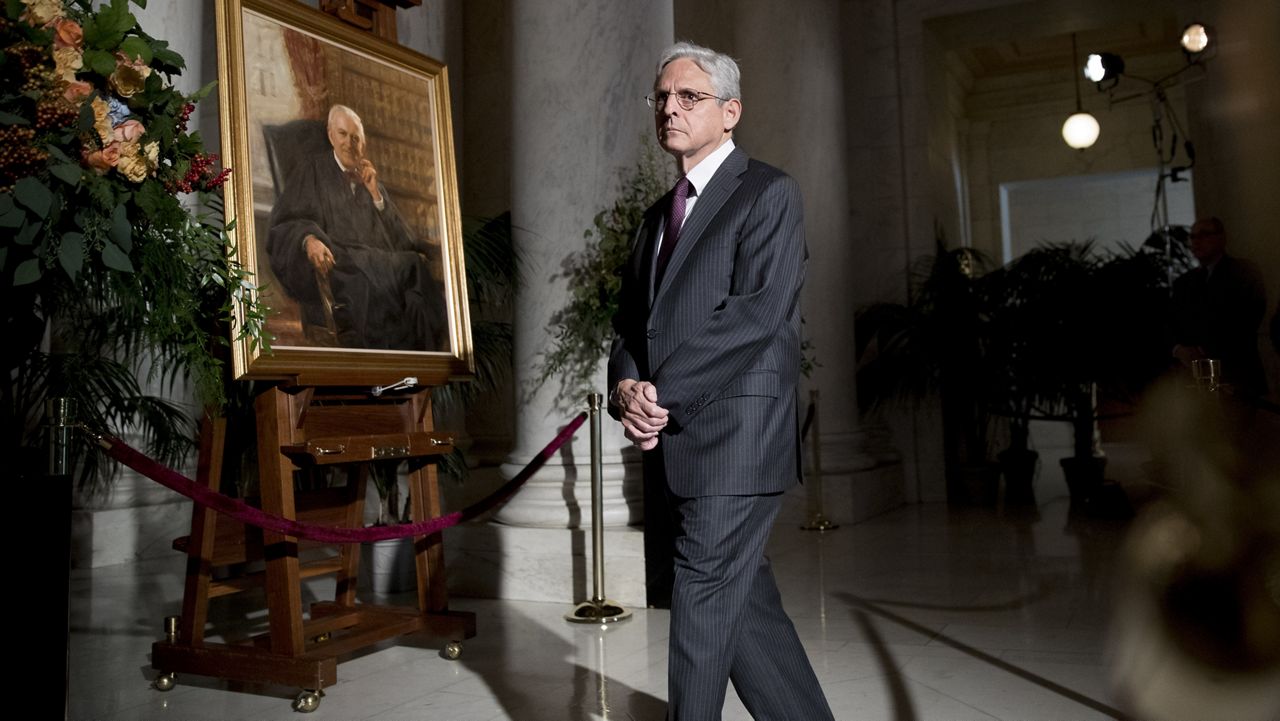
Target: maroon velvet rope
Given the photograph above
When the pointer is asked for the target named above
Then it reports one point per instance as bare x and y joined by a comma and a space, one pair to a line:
243, 512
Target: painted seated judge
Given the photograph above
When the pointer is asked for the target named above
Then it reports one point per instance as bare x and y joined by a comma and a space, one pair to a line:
341, 249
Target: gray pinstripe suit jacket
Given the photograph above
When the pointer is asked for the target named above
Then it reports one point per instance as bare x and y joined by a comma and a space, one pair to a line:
720, 336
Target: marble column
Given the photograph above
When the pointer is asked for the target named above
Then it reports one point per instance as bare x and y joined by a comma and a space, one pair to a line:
580, 71
578, 74
795, 116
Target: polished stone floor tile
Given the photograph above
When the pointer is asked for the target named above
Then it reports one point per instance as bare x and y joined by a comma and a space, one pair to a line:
924, 613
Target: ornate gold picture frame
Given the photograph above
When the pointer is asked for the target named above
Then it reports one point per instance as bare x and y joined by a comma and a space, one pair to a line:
344, 198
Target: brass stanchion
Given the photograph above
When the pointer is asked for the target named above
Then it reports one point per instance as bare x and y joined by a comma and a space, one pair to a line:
599, 609
817, 521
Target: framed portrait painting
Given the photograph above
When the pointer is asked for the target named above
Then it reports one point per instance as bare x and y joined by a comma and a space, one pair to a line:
344, 199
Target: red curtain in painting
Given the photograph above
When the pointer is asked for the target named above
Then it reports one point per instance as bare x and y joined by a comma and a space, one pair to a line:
307, 63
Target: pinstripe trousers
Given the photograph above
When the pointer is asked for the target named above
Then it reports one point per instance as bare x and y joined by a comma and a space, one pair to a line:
727, 621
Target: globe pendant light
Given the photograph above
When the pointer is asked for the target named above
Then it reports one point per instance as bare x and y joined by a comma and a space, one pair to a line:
1081, 130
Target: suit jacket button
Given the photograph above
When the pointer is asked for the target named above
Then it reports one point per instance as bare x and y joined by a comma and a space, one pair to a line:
651, 334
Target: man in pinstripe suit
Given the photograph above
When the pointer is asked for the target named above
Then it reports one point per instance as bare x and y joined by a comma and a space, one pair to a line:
703, 376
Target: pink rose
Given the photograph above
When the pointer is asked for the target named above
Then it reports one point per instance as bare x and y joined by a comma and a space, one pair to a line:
77, 90
129, 131
100, 161
67, 34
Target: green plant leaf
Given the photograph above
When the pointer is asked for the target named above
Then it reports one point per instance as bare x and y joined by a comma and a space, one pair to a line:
6, 203
57, 153
121, 232
203, 92
27, 272
151, 197
85, 123
71, 253
33, 194
106, 29
102, 63
28, 234
11, 119
115, 258
141, 3
68, 173
165, 59
136, 47
12, 218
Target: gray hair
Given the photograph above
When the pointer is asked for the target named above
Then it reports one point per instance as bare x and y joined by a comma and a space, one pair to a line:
337, 110
722, 68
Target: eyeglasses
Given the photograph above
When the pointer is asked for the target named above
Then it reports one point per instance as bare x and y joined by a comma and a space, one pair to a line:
685, 99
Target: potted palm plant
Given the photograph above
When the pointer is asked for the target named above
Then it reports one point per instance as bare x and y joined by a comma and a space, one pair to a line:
1071, 325
936, 344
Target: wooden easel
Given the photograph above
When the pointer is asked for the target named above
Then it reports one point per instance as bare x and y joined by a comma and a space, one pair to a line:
304, 428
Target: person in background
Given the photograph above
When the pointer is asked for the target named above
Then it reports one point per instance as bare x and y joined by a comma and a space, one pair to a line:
1217, 309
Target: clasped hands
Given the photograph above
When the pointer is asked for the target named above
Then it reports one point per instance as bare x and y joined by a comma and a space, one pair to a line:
642, 418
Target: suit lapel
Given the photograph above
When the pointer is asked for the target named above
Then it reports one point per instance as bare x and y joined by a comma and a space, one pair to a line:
642, 259
725, 181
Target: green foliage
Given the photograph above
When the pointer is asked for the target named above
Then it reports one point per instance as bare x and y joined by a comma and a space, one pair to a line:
493, 273
582, 329
1068, 319
934, 345
107, 267
1030, 340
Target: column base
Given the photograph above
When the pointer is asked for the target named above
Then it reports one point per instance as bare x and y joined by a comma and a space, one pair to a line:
492, 560
138, 521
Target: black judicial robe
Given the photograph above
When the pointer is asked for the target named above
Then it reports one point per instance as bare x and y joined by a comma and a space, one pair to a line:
384, 294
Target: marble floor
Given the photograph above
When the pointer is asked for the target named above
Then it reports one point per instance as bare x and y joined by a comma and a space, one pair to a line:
925, 612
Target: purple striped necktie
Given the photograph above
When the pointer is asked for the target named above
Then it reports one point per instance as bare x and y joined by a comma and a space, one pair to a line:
675, 218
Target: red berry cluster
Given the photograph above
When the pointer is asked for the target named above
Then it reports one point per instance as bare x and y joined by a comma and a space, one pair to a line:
201, 175
186, 114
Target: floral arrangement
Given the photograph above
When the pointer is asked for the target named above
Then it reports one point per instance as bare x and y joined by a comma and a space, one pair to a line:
114, 245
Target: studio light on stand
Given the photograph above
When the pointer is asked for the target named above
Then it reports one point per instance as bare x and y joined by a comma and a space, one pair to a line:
1081, 129
1102, 67
1175, 153
1196, 39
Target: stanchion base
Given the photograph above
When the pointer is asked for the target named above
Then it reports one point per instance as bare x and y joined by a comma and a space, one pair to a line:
598, 612
819, 523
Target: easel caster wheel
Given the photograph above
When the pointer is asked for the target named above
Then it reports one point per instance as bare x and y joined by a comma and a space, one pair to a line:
164, 682
453, 650
307, 701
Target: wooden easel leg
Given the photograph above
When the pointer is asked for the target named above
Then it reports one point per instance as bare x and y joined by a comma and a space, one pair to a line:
284, 593
195, 596
357, 483
428, 550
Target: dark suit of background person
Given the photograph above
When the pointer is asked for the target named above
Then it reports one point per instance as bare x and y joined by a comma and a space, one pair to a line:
717, 345
1218, 308
383, 291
